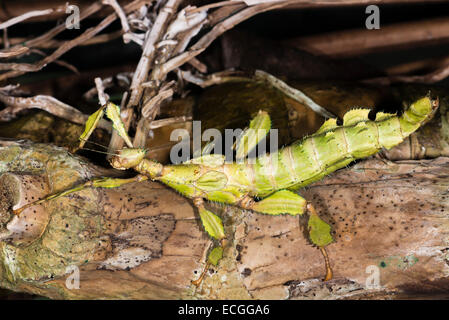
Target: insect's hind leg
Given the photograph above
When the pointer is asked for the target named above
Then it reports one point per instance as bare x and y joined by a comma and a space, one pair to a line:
319, 233
288, 202
283, 201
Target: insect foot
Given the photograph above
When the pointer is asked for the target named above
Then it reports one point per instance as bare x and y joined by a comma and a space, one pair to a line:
213, 258
214, 227
319, 233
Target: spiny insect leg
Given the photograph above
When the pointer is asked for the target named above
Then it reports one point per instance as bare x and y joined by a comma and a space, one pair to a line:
89, 127
319, 233
212, 259
214, 227
211, 222
329, 273
283, 201
258, 128
113, 113
95, 183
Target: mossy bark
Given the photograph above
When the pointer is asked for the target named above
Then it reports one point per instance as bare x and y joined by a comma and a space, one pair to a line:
144, 241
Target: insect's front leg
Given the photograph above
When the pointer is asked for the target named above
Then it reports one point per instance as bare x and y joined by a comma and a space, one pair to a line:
94, 183
285, 201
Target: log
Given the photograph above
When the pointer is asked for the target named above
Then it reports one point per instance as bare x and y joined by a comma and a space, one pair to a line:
352, 43
144, 241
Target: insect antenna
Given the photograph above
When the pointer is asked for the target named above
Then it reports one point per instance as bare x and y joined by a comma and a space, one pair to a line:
98, 144
103, 152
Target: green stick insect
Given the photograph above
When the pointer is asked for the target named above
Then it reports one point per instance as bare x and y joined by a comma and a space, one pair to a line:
267, 185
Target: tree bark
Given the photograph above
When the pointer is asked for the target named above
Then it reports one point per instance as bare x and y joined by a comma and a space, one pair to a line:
144, 241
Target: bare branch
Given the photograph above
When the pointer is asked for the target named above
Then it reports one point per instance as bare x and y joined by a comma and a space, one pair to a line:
6, 38
53, 43
149, 112
182, 22
294, 93
123, 78
433, 77
154, 35
156, 101
198, 65
222, 13
13, 52
15, 105
9, 88
350, 43
175, 63
96, 6
102, 97
214, 78
215, 5
24, 17
123, 20
68, 45
168, 121
229, 23
217, 31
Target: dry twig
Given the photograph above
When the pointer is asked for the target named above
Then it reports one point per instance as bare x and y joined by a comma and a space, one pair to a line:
15, 105
143, 67
168, 121
24, 17
121, 14
169, 60
36, 42
293, 93
155, 102
89, 33
123, 79
102, 96
433, 77
214, 78
350, 43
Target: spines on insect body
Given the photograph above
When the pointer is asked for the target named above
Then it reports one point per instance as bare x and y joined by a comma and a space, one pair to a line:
414, 117
333, 147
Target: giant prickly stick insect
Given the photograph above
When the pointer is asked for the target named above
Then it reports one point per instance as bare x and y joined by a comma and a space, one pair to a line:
265, 186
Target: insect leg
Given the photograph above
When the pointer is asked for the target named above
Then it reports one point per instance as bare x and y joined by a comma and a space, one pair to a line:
89, 127
214, 227
95, 183
212, 259
258, 128
113, 113
285, 201
319, 233
293, 93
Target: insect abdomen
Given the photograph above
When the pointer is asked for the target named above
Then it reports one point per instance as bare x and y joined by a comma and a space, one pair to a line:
334, 147
331, 148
